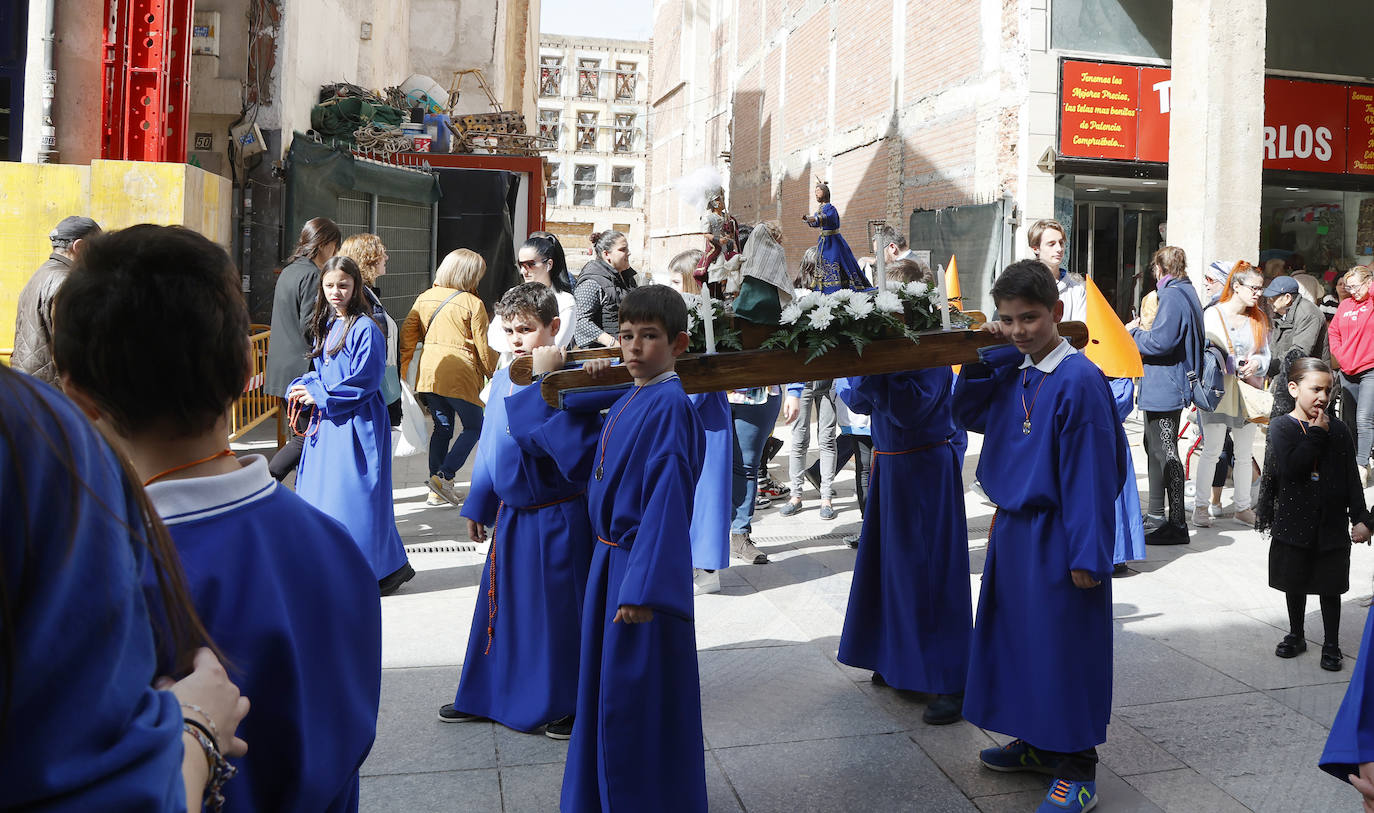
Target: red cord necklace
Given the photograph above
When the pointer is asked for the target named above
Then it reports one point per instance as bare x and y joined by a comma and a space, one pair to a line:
226, 452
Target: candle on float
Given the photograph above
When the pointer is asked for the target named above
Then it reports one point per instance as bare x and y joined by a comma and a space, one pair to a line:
944, 300
707, 323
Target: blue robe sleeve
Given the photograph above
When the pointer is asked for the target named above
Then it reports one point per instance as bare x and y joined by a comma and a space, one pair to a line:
658, 574
978, 382
1351, 741
829, 217
1123, 396
365, 354
482, 502
1091, 469
569, 438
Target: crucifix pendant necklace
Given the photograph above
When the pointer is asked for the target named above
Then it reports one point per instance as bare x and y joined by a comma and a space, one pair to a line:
1026, 427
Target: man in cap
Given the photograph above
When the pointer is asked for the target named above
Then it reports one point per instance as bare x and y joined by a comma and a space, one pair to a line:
1299, 331
33, 324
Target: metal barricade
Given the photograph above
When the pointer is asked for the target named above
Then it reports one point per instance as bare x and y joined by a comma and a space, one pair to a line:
256, 405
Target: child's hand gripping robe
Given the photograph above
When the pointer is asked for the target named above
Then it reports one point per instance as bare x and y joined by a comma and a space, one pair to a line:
1054, 461
637, 743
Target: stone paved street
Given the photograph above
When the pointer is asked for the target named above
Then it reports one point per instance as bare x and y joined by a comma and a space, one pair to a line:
1205, 719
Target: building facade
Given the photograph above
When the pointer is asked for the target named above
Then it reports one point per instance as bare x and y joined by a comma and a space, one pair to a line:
964, 123
593, 101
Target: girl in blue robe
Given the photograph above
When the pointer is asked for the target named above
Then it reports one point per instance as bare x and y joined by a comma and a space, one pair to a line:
345, 469
522, 657
712, 506
1040, 668
637, 744
910, 612
836, 267
1130, 524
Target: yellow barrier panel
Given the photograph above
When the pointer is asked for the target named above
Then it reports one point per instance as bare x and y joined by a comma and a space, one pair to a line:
256, 405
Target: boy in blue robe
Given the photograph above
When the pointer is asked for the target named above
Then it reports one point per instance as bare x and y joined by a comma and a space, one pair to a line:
1349, 752
637, 744
1129, 544
521, 664
157, 349
1040, 668
909, 612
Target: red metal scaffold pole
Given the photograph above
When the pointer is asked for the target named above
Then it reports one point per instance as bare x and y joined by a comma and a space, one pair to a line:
147, 61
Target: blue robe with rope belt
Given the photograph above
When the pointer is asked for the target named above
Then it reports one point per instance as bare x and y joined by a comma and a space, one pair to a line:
345, 468
909, 614
637, 742
713, 506
1130, 524
522, 672
1351, 741
1040, 667
837, 267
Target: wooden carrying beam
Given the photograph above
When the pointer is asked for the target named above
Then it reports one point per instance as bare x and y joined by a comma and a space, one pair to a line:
759, 368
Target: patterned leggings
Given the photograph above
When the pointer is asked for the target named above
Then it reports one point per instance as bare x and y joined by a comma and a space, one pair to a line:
1163, 466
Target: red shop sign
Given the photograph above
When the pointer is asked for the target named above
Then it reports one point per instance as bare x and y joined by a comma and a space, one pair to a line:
1152, 143
1304, 125
1098, 110
1360, 149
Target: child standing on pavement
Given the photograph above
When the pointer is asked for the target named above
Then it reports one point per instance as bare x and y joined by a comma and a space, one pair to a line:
1040, 666
637, 744
521, 664
1309, 496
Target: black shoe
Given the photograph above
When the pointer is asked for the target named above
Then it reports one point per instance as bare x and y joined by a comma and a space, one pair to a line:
393, 582
944, 709
1292, 646
1119, 569
852, 541
827, 512
791, 508
1152, 523
1168, 534
1331, 657
813, 475
878, 680
448, 714
560, 729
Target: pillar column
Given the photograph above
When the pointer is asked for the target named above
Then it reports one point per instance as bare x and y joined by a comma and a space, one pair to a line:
1216, 131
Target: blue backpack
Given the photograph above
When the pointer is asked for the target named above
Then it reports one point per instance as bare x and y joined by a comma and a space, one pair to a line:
1208, 382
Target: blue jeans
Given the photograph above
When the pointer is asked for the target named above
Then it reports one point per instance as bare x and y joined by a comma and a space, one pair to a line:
753, 426
1357, 410
443, 460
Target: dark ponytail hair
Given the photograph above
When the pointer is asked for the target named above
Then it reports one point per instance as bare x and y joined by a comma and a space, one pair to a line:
317, 233
604, 241
548, 247
1301, 367
324, 312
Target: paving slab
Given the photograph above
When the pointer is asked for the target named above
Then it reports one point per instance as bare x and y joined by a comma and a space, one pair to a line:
529, 788
1148, 671
1113, 793
478, 790
410, 738
1185, 791
873, 772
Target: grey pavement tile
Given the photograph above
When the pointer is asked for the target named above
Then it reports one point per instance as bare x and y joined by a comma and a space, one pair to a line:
410, 738
1185, 791
427, 629
447, 790
1316, 703
875, 772
1112, 791
720, 794
781, 694
531, 788
1255, 748
724, 621
1147, 671
955, 749
1127, 752
517, 748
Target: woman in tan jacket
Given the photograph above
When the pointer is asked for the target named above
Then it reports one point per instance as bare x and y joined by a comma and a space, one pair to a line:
454, 363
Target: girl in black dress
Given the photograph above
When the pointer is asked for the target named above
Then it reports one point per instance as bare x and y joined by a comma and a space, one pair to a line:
1310, 496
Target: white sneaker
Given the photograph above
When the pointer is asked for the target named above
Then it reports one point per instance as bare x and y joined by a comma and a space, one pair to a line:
1201, 518
444, 488
705, 581
433, 500
1217, 512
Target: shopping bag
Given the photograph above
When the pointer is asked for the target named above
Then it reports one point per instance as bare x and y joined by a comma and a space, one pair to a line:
414, 435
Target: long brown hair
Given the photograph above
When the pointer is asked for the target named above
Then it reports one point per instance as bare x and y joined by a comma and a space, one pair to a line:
317, 233
179, 631
324, 312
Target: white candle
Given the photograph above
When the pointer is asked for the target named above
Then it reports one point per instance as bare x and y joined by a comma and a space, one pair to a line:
708, 324
944, 300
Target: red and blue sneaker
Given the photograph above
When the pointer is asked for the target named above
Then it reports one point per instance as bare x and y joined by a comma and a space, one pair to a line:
1017, 755
1069, 797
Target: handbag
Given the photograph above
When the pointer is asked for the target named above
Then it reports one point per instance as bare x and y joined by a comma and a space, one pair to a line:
1255, 402
413, 435
413, 371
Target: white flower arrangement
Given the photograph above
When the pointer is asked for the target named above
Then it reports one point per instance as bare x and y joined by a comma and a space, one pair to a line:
817, 323
722, 323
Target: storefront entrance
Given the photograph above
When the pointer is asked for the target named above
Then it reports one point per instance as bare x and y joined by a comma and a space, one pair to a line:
1112, 244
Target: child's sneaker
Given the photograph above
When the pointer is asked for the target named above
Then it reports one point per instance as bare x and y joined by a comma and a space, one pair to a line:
705, 581
448, 714
768, 487
1075, 797
1017, 755
560, 729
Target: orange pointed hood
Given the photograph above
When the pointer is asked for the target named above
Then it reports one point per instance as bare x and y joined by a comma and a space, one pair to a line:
1110, 345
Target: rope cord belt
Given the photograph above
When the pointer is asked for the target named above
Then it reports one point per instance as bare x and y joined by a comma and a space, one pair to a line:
878, 454
491, 581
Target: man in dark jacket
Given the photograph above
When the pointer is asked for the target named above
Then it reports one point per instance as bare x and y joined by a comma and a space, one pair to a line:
33, 323
1299, 331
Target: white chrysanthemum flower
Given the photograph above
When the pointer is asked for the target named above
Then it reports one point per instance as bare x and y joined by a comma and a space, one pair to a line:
811, 300
790, 314
895, 285
917, 288
822, 317
691, 321
841, 295
859, 307
888, 302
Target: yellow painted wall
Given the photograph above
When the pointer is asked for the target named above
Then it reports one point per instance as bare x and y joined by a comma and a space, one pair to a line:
34, 197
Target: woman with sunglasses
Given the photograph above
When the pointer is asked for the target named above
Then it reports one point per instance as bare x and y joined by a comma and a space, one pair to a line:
1238, 326
541, 260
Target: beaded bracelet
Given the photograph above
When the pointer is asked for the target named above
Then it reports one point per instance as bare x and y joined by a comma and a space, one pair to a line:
209, 721
220, 769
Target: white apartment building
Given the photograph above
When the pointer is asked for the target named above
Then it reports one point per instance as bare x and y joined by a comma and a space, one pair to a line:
593, 103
